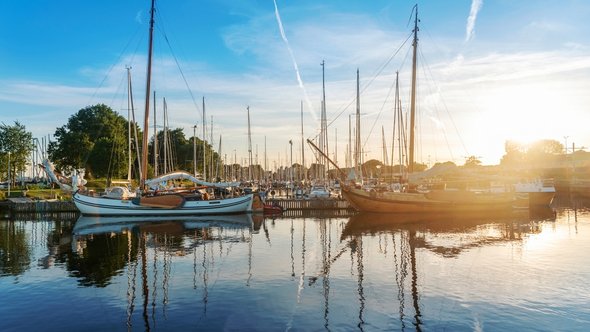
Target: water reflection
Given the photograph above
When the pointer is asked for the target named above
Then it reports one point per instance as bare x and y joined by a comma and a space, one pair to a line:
405, 234
224, 272
18, 242
107, 247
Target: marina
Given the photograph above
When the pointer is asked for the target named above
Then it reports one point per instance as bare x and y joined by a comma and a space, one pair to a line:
506, 271
246, 190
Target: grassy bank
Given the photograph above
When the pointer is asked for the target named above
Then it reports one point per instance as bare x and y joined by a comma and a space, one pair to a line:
36, 194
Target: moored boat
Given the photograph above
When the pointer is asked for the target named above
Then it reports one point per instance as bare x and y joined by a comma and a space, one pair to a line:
318, 191
150, 201
409, 199
538, 192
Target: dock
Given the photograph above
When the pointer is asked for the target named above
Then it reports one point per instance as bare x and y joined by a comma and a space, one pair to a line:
294, 207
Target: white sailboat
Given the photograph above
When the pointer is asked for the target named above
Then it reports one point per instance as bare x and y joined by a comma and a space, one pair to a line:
156, 203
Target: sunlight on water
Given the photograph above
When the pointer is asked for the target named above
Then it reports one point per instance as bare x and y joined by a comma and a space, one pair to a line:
371, 272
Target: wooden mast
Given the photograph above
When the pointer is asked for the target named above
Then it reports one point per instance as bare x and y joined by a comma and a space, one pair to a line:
413, 96
326, 171
304, 175
144, 151
249, 147
129, 123
357, 141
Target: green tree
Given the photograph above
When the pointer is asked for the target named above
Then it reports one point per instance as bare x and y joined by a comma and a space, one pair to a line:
18, 142
180, 152
94, 138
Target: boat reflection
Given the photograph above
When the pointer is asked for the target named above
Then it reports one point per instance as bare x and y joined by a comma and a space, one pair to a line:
142, 248
516, 221
89, 225
446, 235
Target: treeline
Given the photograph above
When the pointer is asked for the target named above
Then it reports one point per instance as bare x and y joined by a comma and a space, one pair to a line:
97, 139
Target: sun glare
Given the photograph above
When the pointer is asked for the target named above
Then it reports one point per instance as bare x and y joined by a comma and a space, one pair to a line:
522, 113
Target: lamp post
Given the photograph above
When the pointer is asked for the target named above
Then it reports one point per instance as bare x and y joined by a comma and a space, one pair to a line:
565, 146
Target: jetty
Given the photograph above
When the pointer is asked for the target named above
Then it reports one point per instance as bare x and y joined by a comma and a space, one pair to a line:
294, 207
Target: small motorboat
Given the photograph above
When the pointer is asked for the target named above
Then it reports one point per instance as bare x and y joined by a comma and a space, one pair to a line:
273, 208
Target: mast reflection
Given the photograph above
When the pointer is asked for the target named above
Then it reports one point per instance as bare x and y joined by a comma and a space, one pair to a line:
142, 241
408, 234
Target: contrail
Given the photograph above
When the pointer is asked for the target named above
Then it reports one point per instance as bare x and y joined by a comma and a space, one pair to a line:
295, 66
475, 7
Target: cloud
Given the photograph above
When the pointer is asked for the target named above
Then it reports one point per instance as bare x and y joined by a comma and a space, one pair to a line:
295, 66
470, 28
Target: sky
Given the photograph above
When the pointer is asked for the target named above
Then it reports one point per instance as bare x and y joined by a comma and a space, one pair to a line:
488, 71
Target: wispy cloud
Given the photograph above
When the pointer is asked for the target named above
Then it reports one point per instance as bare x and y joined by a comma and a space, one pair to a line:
295, 66
470, 28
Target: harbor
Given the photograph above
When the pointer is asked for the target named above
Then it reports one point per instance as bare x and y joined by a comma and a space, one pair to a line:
316, 272
346, 166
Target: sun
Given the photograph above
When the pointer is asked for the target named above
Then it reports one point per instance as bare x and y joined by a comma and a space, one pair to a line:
521, 113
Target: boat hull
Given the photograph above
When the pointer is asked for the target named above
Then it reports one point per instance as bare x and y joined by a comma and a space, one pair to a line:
399, 202
102, 206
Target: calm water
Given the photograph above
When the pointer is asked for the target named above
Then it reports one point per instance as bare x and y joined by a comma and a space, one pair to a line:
517, 271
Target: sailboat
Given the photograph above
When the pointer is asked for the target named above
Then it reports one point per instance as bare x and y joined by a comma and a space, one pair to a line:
168, 203
410, 199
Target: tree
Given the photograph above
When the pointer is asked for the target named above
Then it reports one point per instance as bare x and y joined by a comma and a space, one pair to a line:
534, 154
18, 142
515, 154
472, 161
180, 154
546, 146
94, 138
541, 152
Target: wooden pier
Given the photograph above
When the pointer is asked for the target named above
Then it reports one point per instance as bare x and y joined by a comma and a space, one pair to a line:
26, 207
294, 207
312, 204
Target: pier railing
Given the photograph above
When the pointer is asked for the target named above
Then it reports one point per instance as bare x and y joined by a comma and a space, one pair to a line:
312, 204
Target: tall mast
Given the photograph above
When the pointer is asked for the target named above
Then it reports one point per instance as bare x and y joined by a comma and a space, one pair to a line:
349, 159
211, 154
204, 144
129, 122
385, 162
302, 144
249, 147
324, 125
336, 145
357, 142
155, 140
398, 127
165, 140
144, 151
195, 150
217, 173
413, 96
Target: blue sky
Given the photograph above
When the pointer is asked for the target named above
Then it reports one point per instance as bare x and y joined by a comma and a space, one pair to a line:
490, 71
